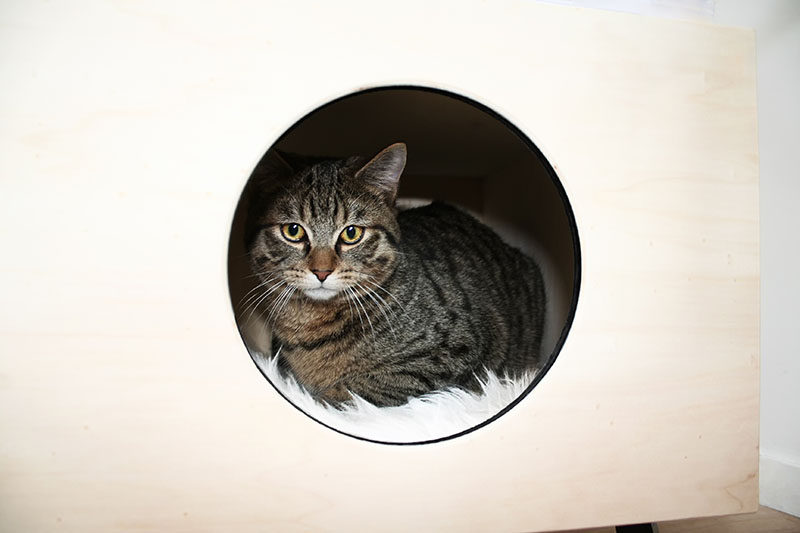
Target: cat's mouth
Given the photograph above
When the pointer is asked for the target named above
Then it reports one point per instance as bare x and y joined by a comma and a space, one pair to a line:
320, 293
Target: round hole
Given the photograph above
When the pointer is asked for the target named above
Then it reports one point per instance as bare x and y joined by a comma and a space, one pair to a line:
459, 152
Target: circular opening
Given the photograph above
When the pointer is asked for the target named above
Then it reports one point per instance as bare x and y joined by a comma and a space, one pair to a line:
435, 293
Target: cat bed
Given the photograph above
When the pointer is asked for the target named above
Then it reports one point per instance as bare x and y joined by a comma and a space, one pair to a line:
427, 418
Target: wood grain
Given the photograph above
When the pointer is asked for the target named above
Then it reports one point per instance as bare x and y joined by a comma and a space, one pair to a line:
127, 400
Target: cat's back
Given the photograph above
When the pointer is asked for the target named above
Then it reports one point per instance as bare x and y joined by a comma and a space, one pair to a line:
441, 232
464, 281
426, 226
465, 263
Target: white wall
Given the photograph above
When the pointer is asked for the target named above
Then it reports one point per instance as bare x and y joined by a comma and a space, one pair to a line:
777, 26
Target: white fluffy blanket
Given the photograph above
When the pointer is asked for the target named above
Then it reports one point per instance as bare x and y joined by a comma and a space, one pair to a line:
431, 417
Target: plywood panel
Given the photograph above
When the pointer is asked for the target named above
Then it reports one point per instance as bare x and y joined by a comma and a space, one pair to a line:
126, 398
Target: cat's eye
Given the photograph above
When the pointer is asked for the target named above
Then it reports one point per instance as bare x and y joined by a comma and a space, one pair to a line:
351, 234
293, 232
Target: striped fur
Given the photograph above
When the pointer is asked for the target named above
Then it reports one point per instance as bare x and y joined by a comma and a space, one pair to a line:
430, 298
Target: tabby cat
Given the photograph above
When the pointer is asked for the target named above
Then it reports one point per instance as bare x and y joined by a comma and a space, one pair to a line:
363, 298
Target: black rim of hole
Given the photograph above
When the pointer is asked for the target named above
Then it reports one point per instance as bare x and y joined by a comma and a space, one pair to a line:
576, 249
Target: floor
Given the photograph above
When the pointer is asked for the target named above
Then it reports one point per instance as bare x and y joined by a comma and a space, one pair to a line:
765, 520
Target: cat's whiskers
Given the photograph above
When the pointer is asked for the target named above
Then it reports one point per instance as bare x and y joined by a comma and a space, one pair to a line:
256, 299
369, 292
349, 304
366, 314
254, 275
369, 279
352, 295
346, 292
260, 285
278, 302
252, 299
385, 304
253, 305
286, 301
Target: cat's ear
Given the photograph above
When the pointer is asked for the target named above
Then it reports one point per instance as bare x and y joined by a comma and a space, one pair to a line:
383, 171
277, 162
272, 171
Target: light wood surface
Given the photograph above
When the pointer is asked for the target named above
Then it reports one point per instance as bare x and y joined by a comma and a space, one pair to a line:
127, 401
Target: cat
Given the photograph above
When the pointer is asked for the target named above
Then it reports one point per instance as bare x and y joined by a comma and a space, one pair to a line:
363, 298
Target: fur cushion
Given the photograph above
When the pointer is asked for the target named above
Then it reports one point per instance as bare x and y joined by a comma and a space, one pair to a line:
434, 416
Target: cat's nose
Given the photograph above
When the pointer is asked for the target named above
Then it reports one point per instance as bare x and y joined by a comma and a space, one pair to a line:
321, 274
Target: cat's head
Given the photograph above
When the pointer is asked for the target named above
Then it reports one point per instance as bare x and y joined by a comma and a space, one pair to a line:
328, 228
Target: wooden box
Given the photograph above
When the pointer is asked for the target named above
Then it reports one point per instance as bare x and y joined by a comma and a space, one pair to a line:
127, 400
